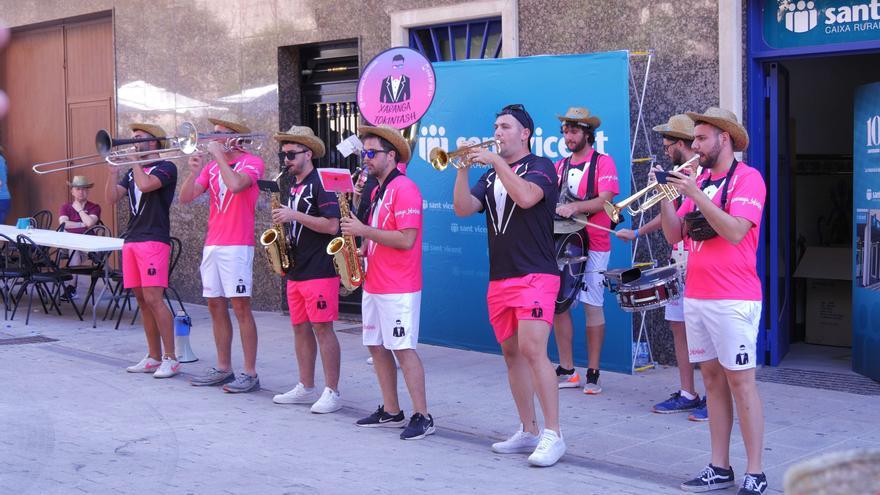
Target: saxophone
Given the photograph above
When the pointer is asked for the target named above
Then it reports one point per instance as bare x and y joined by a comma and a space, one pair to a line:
274, 239
345, 253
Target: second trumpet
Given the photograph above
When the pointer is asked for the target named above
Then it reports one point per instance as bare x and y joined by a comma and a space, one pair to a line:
441, 159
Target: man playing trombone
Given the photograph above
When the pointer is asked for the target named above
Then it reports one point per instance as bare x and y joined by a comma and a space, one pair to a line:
590, 180
228, 255
149, 187
518, 195
312, 283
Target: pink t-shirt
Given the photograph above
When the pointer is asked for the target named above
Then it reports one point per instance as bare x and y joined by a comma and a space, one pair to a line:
606, 181
231, 221
389, 270
716, 268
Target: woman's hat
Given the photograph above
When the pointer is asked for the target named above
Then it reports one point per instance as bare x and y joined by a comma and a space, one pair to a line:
305, 136
391, 135
82, 181
727, 122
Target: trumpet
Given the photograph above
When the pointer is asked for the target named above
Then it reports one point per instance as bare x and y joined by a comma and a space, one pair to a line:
651, 198
441, 159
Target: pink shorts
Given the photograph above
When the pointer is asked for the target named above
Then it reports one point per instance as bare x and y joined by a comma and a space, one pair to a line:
145, 264
530, 297
314, 300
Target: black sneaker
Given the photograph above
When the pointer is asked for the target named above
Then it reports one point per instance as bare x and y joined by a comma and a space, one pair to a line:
710, 478
753, 484
419, 427
69, 293
381, 419
592, 386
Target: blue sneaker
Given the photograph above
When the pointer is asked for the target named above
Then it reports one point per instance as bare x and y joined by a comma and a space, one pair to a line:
676, 403
700, 413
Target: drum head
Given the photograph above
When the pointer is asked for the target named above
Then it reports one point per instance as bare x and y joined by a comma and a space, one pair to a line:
571, 250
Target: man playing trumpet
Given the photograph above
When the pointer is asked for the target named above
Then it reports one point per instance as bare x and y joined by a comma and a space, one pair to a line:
518, 196
228, 255
312, 283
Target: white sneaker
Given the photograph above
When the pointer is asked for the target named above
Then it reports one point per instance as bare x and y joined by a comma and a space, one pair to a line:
298, 395
370, 360
522, 442
147, 365
169, 368
550, 449
328, 403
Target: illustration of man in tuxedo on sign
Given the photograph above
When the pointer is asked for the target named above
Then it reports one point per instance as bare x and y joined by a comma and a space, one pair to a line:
395, 87
743, 357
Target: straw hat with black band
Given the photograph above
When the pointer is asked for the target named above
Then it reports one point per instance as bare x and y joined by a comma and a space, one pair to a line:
232, 126
81, 181
391, 135
151, 129
580, 116
727, 122
678, 127
305, 136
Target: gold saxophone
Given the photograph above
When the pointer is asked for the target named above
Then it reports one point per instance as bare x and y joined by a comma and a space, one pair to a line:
274, 239
345, 253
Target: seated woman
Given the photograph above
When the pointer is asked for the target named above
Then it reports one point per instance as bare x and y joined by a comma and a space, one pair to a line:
77, 216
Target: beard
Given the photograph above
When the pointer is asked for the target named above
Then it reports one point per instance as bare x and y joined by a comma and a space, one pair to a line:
578, 146
710, 159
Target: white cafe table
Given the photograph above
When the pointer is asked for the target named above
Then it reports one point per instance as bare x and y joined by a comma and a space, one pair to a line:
75, 242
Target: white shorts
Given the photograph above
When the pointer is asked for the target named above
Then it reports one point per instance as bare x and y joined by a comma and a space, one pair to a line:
227, 271
723, 329
391, 320
674, 309
593, 292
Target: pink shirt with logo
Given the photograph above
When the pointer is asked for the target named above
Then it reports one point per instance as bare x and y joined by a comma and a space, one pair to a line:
718, 269
390, 270
231, 220
606, 181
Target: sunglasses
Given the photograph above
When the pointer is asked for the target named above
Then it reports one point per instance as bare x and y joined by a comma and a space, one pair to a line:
371, 153
516, 107
290, 155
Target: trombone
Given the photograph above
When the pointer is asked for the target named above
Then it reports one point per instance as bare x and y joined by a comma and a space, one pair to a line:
663, 191
441, 159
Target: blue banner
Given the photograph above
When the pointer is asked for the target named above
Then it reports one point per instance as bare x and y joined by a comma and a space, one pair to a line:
456, 261
797, 23
866, 251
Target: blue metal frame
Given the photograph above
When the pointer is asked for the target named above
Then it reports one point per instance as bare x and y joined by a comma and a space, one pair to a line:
448, 32
759, 53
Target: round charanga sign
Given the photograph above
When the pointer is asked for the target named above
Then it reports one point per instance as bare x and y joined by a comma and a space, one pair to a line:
396, 88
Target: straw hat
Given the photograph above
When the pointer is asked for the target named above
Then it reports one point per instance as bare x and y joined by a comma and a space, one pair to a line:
233, 126
391, 135
727, 122
581, 116
150, 129
679, 127
82, 181
304, 136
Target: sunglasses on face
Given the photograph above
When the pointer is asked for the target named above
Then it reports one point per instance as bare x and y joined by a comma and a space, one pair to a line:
290, 155
371, 153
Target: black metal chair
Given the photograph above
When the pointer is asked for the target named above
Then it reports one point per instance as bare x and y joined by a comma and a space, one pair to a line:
91, 264
42, 219
40, 274
11, 272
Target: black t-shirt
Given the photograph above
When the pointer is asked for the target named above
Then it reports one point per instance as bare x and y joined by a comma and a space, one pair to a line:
150, 211
520, 241
311, 260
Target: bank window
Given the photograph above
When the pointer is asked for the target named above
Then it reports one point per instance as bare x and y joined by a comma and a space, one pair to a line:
479, 38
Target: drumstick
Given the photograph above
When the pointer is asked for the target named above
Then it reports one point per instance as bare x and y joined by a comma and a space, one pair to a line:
591, 224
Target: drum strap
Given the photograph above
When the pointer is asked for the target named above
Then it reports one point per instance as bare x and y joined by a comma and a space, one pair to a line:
591, 175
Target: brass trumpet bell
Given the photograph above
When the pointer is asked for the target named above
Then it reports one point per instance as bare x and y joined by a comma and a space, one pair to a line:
650, 195
441, 159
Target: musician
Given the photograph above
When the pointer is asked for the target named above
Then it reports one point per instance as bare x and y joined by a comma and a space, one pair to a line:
393, 282
149, 189
312, 284
78, 216
678, 136
589, 178
722, 305
518, 194
228, 255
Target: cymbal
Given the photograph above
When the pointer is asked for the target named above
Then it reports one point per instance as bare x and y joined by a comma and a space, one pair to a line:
563, 225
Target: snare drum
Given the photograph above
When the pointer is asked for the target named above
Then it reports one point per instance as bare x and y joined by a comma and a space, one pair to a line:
644, 290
